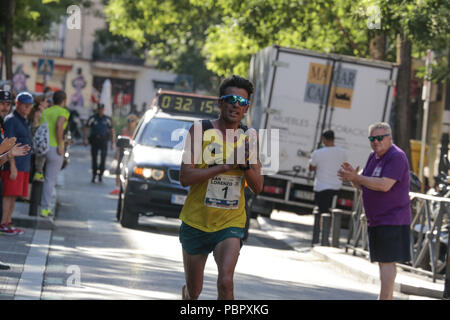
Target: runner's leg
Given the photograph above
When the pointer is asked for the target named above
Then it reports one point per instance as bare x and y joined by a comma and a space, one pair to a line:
194, 266
226, 254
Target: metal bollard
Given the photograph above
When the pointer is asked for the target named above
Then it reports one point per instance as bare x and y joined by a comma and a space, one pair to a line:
336, 227
35, 197
316, 228
326, 224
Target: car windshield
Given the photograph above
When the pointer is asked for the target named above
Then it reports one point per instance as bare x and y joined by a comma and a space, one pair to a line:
165, 133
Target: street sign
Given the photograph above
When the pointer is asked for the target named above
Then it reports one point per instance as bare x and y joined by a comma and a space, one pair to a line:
45, 67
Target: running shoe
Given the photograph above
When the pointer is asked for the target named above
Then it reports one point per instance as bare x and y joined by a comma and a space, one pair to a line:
46, 213
38, 176
18, 231
6, 231
116, 191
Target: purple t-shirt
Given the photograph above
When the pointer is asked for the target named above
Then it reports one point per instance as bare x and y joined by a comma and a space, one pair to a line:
391, 207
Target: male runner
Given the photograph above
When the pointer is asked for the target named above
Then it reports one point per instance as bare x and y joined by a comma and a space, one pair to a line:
214, 214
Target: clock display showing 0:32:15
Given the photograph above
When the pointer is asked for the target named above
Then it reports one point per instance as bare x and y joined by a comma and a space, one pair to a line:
182, 104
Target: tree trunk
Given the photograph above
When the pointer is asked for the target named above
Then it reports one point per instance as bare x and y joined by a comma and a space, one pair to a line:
377, 47
402, 130
9, 30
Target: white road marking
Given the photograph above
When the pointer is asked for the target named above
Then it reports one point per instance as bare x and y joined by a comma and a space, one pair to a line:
30, 283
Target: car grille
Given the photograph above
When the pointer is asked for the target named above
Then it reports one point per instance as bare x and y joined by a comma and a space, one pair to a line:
174, 176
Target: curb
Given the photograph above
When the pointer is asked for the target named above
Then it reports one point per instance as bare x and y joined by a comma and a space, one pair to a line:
30, 284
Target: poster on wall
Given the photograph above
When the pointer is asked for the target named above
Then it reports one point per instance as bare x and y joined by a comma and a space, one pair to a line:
20, 79
78, 84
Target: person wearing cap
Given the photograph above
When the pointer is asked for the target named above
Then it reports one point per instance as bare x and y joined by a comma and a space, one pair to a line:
15, 175
100, 131
15, 150
326, 162
56, 117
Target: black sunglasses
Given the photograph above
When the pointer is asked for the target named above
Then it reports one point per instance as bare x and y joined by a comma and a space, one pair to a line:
379, 138
231, 98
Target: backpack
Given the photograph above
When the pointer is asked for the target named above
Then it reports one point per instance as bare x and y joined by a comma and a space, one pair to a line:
41, 139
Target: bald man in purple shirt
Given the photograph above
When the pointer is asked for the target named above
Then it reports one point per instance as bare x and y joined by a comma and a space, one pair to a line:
385, 191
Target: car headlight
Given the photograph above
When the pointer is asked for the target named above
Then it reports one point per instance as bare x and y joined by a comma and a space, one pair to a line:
147, 172
156, 174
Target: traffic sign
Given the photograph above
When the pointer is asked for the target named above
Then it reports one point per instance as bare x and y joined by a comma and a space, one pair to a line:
45, 67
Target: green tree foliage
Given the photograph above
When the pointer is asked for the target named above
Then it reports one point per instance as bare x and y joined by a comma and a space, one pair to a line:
173, 32
320, 25
115, 45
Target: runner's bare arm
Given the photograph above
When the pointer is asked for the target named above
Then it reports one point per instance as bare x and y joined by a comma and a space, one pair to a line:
253, 176
255, 179
189, 174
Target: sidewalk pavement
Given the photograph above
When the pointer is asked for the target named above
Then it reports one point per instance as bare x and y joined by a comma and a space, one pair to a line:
26, 254
296, 231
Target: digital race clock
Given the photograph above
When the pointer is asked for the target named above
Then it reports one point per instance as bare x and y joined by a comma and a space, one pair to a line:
188, 103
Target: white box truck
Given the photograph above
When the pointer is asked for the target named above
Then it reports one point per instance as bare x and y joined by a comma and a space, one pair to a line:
301, 93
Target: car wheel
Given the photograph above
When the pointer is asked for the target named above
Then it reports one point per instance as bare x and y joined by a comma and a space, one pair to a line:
119, 205
128, 219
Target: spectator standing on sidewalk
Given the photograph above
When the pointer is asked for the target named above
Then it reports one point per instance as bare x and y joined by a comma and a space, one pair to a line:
326, 162
213, 220
56, 118
385, 191
5, 100
34, 118
16, 151
15, 176
101, 131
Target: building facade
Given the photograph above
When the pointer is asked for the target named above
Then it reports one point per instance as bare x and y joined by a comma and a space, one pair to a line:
72, 60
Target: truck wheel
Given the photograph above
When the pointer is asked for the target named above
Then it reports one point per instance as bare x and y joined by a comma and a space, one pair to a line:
259, 207
128, 219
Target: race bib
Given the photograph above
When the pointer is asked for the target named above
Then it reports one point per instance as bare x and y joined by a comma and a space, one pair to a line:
224, 192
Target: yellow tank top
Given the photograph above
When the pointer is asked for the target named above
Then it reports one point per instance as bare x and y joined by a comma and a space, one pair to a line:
219, 202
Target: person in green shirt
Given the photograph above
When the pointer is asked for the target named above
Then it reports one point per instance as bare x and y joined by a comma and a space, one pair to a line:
56, 118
